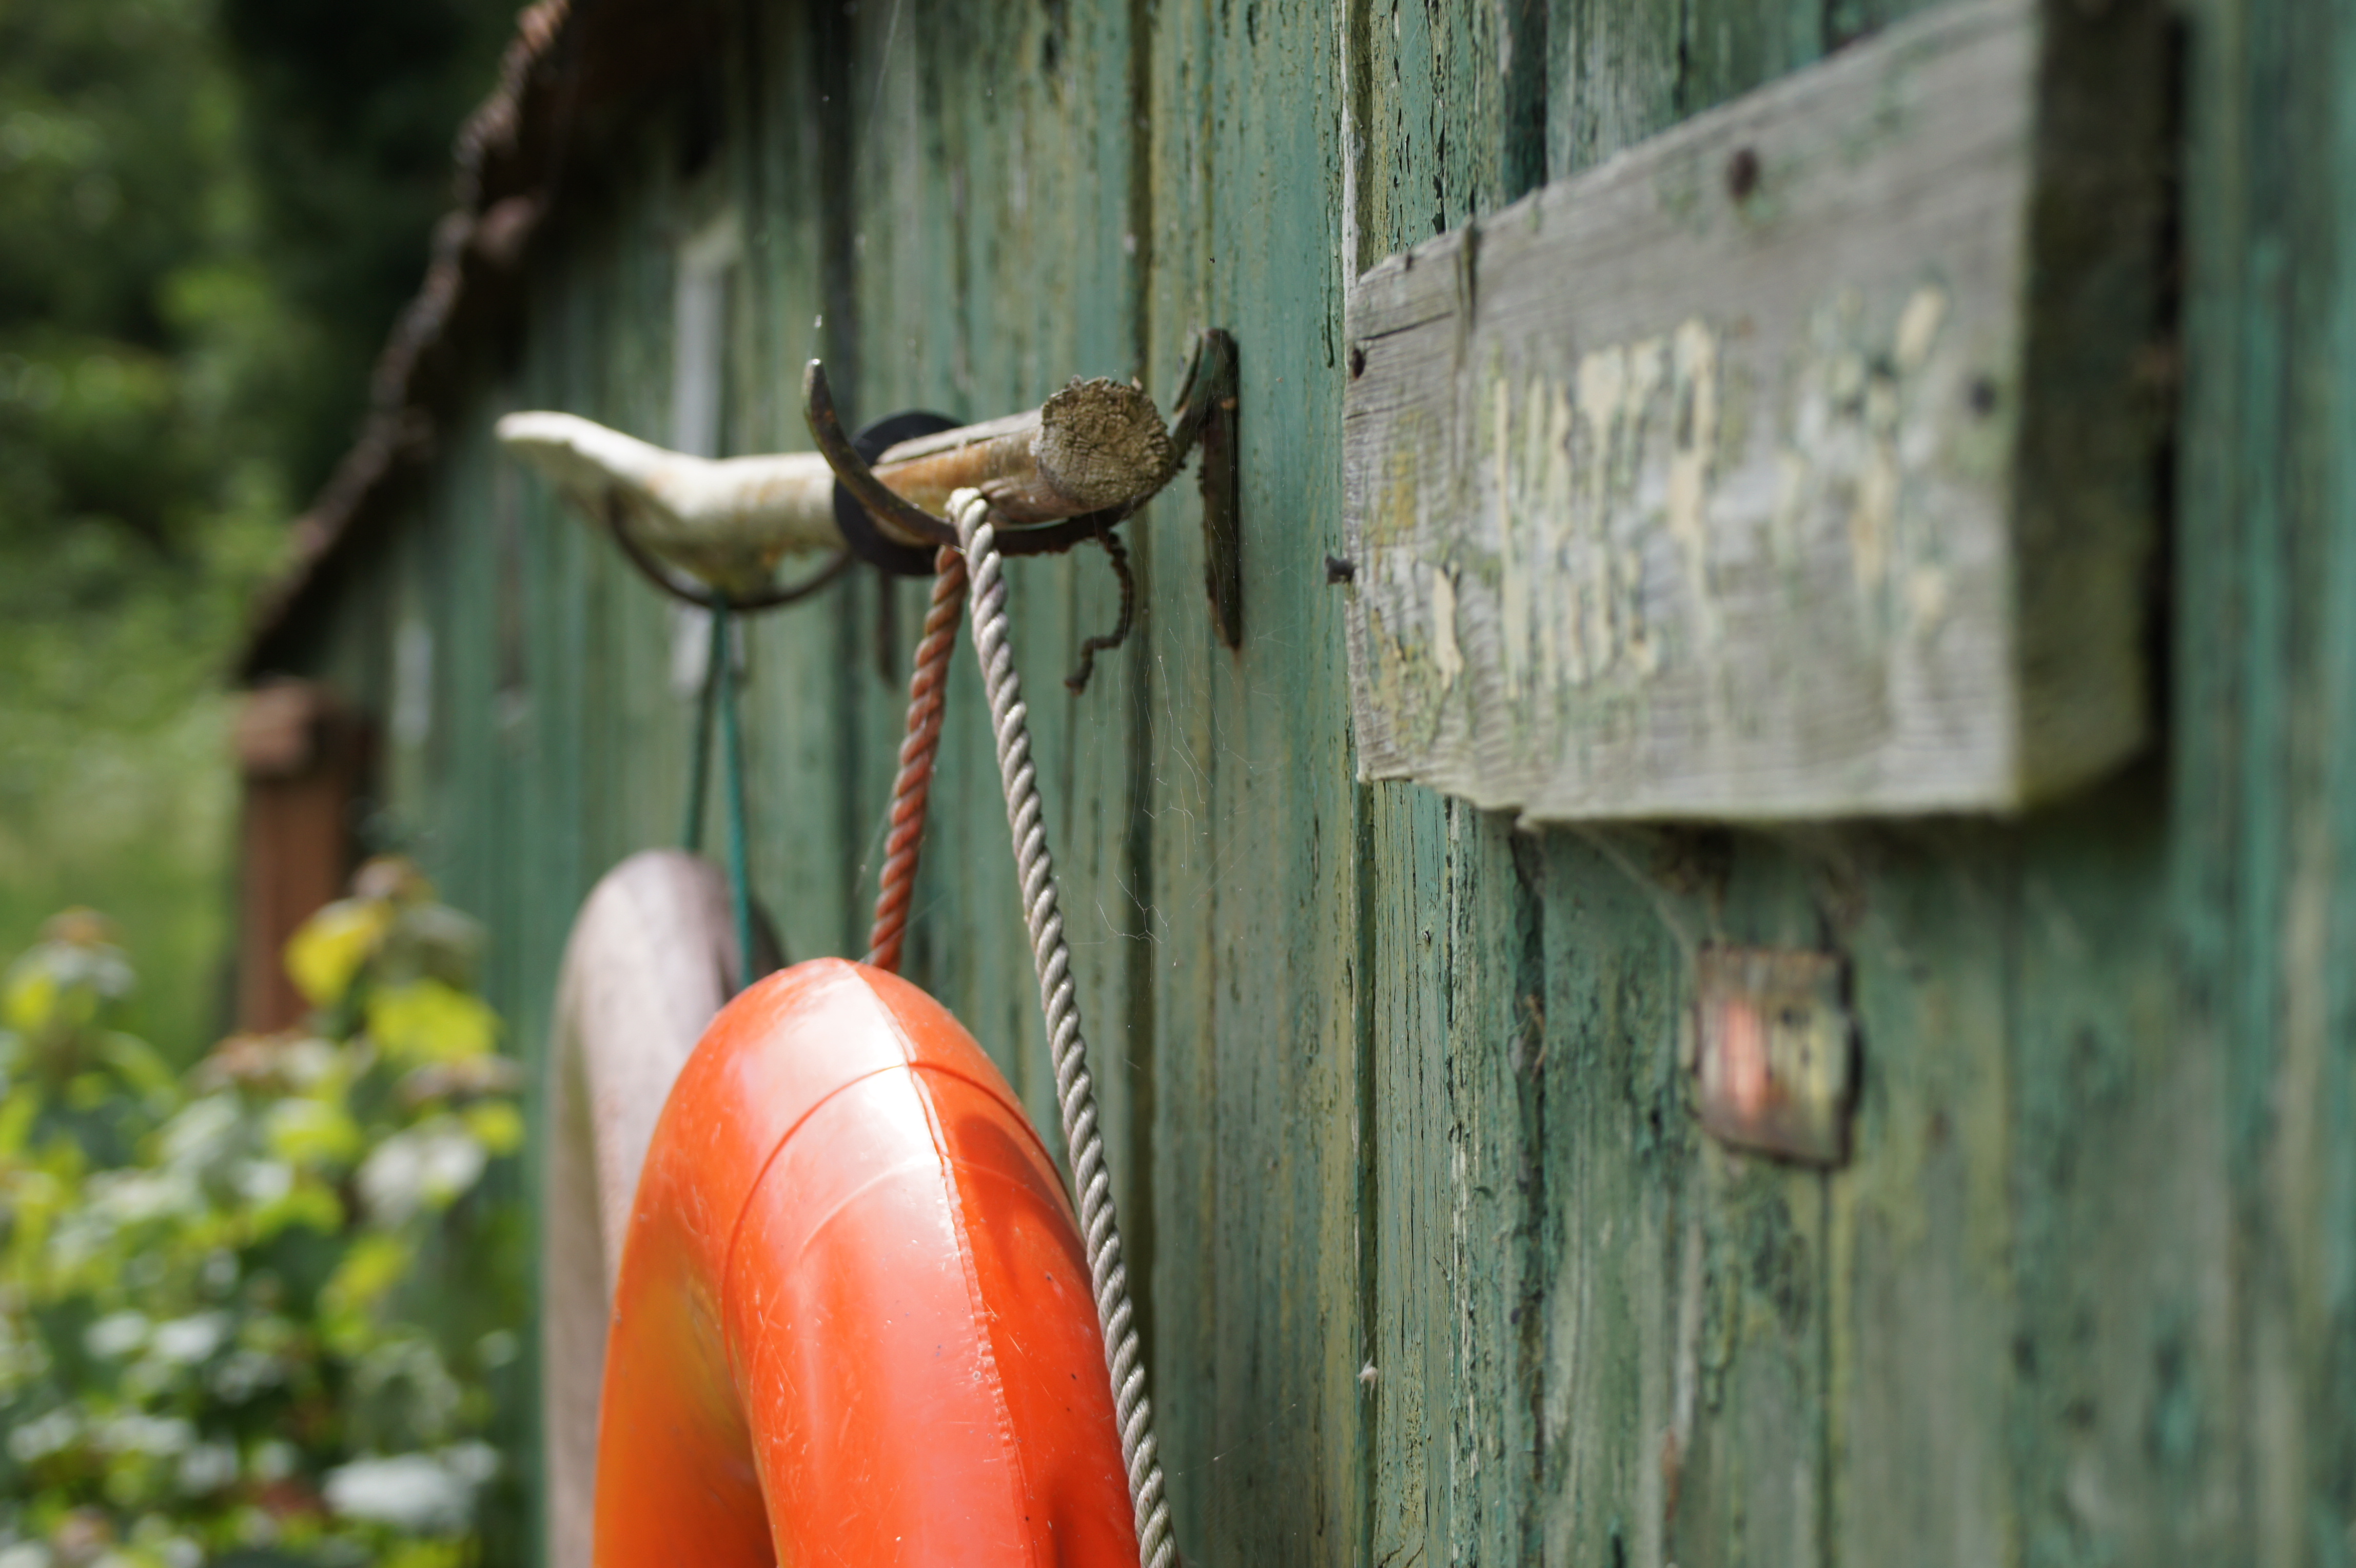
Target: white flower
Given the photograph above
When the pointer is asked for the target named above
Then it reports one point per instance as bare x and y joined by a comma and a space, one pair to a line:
116, 1334
244, 1373
202, 1132
45, 1436
208, 1468
308, 1062
409, 1491
133, 1198
431, 1164
161, 1436
24, 1554
473, 1462
188, 1340
262, 1181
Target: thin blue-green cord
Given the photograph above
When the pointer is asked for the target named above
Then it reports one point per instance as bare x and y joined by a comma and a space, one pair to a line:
740, 877
699, 777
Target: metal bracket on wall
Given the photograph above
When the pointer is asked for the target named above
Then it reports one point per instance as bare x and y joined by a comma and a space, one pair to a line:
1774, 1052
1205, 416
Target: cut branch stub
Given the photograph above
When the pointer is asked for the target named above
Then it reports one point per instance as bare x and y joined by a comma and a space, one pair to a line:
1097, 446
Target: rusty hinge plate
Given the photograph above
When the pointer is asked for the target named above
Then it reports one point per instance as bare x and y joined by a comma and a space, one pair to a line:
1774, 1052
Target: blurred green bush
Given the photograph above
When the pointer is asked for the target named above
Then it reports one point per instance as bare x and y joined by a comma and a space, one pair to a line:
266, 1311
210, 211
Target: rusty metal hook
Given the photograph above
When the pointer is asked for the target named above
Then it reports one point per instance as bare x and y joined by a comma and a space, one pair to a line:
680, 585
851, 472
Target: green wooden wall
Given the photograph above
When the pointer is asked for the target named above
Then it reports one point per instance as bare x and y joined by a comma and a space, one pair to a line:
1434, 1265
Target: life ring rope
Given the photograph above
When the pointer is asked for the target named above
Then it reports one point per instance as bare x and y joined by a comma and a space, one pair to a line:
1034, 867
913, 787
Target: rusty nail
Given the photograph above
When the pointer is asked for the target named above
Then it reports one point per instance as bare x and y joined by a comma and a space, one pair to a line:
1774, 1069
853, 472
1743, 174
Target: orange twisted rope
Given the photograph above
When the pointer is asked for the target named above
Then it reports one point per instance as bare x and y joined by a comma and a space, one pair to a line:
927, 684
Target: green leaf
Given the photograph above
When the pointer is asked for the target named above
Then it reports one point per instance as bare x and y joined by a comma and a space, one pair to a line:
497, 1123
312, 1134
349, 1301
428, 1021
324, 955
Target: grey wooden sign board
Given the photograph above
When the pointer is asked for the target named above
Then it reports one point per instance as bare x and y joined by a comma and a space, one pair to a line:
1797, 462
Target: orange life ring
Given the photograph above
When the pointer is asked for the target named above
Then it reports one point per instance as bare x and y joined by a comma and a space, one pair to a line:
853, 1322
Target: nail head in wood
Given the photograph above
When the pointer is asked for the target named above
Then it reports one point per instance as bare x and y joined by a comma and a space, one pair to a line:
1743, 174
1204, 426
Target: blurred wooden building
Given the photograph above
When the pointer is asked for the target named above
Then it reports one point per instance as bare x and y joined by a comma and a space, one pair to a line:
1436, 1259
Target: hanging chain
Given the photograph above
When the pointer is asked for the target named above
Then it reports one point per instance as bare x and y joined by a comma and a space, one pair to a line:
1117, 554
699, 777
927, 685
718, 700
1075, 1090
732, 760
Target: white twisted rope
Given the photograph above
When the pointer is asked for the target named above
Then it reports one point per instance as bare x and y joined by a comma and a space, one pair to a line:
1075, 1090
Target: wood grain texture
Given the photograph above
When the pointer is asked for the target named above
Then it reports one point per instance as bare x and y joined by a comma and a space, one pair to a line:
2083, 1294
1721, 480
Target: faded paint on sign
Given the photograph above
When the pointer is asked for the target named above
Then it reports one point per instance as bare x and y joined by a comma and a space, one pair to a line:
1677, 493
1610, 525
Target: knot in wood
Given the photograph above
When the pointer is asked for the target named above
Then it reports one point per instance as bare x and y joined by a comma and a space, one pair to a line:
1103, 444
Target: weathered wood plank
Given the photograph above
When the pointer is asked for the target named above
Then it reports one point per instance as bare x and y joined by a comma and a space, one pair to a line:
1709, 483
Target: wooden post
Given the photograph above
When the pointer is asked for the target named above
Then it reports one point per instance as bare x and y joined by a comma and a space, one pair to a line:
300, 756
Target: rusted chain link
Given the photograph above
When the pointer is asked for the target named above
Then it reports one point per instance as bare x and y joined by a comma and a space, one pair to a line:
913, 787
1104, 642
1075, 1090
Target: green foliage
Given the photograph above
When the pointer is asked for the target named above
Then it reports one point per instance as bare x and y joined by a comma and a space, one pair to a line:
225, 1326
210, 212
140, 498
215, 1303
350, 112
